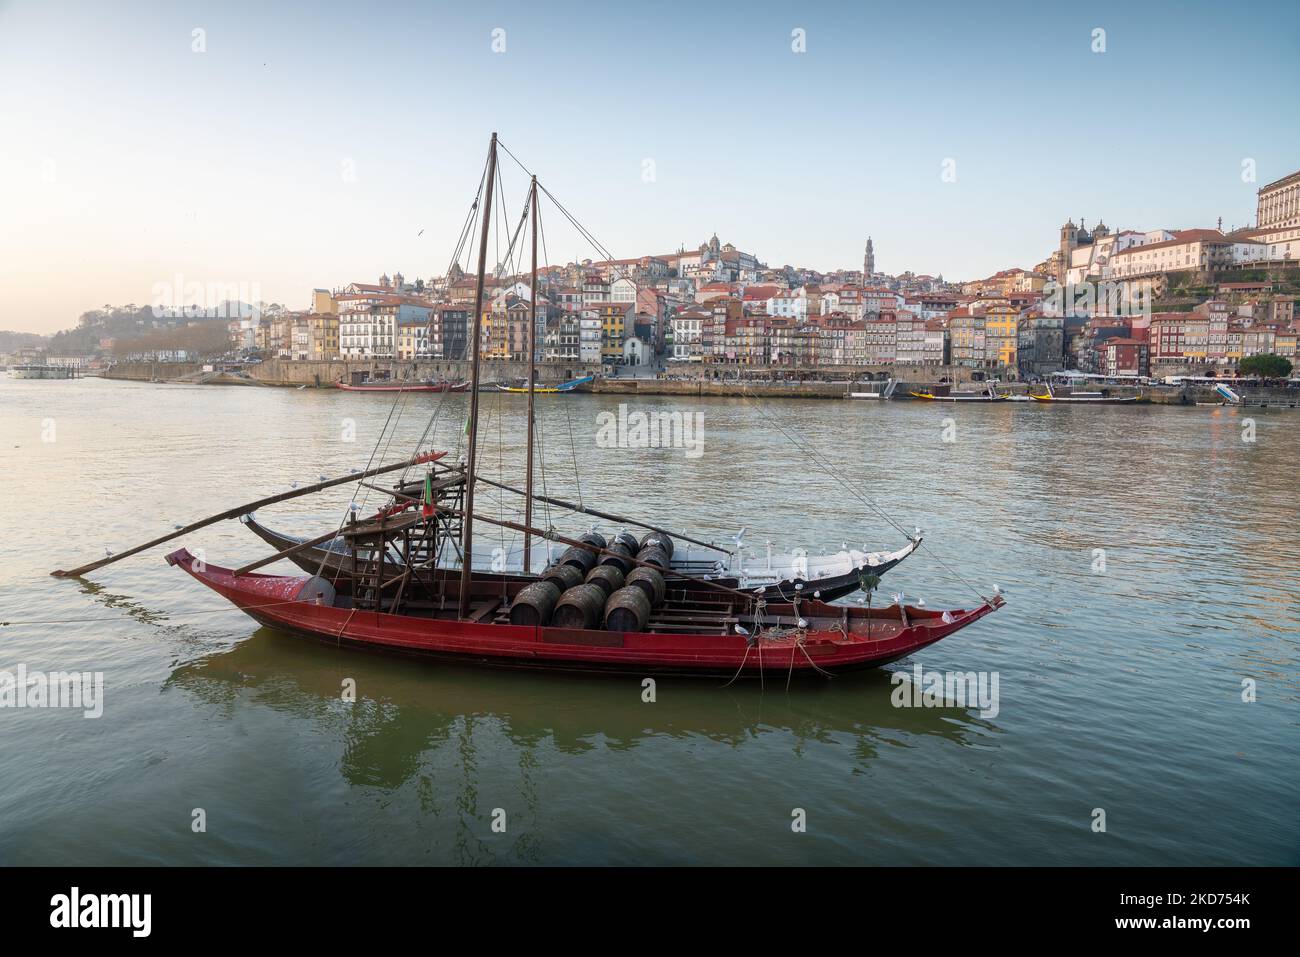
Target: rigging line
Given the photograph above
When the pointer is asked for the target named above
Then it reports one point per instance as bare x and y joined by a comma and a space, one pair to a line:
467, 228
433, 419
829, 469
503, 146
541, 452
587, 234
347, 511
391, 435
573, 446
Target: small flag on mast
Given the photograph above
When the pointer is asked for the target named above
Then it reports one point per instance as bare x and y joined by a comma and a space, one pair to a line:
427, 508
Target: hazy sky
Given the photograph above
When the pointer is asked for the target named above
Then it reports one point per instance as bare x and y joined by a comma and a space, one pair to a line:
127, 159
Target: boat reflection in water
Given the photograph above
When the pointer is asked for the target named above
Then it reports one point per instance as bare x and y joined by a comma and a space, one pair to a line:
406, 709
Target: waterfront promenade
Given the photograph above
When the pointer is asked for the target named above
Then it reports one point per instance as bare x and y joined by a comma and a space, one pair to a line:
816, 383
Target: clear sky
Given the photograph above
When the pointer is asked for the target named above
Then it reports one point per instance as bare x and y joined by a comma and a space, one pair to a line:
127, 159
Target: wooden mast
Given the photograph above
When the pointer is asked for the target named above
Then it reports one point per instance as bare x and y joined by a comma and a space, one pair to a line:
532, 356
467, 523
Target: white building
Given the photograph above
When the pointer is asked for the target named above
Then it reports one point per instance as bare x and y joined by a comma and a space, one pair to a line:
789, 304
1279, 203
688, 334
622, 289
589, 336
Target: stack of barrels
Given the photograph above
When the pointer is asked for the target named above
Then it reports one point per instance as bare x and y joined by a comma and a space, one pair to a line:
617, 587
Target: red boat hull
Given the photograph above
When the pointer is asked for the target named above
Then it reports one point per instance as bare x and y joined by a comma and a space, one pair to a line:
404, 387
277, 602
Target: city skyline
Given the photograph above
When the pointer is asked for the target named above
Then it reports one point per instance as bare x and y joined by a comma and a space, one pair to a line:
289, 154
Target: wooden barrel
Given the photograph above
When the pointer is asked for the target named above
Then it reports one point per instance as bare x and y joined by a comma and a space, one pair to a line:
564, 576
628, 609
622, 560
593, 538
608, 577
658, 541
579, 558
654, 555
534, 603
650, 582
628, 539
579, 607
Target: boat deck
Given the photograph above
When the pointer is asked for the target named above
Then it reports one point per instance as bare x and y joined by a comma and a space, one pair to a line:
694, 616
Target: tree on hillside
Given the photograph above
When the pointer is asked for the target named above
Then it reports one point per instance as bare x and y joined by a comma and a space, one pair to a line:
1266, 366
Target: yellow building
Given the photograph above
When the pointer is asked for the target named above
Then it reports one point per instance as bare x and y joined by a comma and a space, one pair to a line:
614, 320
324, 335
1285, 343
324, 303
1002, 334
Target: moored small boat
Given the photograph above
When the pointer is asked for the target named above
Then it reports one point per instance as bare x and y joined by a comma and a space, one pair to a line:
572, 385
988, 395
1092, 398
829, 577
399, 386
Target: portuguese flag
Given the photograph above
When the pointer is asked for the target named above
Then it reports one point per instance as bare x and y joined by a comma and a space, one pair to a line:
426, 508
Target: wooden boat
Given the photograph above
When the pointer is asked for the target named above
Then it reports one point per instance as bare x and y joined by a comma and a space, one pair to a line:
685, 637
886, 393
988, 395
571, 386
41, 371
828, 577
1092, 398
397, 386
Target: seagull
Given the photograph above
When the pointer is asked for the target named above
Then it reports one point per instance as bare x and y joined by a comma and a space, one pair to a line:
947, 617
293, 484
321, 476
419, 234
178, 526
107, 553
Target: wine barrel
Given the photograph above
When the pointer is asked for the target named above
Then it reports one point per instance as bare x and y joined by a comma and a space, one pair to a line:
658, 540
319, 591
579, 558
608, 577
563, 576
628, 609
622, 557
579, 607
650, 582
628, 539
534, 603
593, 538
654, 555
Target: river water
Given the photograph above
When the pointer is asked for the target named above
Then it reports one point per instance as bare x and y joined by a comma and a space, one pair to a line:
1121, 673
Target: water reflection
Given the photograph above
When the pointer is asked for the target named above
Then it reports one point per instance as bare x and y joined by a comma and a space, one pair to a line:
406, 709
